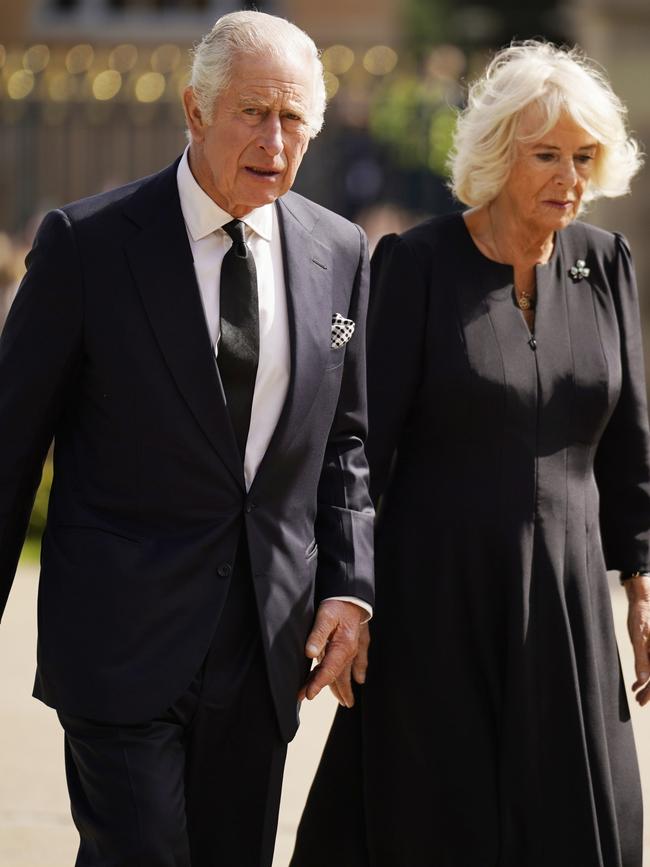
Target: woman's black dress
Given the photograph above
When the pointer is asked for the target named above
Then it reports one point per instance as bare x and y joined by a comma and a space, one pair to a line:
494, 730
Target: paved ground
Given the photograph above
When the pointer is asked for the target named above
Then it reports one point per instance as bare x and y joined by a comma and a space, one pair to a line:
35, 828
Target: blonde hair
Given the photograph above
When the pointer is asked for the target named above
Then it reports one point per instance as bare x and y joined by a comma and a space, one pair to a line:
253, 33
555, 81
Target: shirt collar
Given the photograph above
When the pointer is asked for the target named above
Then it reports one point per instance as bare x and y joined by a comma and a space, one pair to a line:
203, 216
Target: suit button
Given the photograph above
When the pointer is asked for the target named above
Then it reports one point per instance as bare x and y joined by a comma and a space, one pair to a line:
249, 507
224, 570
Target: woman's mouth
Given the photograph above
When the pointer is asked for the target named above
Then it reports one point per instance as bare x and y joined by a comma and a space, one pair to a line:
559, 205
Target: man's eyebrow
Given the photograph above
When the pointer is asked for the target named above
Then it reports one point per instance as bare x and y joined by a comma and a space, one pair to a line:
252, 98
255, 101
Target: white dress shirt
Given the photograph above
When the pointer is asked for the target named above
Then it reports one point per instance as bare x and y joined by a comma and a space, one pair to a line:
209, 244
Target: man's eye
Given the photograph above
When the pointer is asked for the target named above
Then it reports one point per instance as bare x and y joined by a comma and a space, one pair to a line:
252, 111
293, 117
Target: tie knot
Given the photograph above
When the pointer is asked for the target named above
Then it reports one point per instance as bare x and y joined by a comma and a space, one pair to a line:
236, 230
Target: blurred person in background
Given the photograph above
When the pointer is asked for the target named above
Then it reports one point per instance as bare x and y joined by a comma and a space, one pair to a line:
509, 456
195, 344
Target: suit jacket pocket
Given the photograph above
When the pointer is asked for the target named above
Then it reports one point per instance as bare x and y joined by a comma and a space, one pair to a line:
336, 358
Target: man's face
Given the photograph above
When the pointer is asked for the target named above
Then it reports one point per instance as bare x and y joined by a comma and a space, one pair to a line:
249, 154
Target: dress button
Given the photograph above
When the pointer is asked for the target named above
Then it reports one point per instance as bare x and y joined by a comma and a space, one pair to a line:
224, 570
249, 507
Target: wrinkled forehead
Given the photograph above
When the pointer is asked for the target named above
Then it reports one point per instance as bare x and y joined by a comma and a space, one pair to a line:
539, 118
273, 74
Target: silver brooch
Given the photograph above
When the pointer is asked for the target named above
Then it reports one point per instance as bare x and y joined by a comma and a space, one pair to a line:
579, 270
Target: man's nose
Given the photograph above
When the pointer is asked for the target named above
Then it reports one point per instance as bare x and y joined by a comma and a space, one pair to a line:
270, 137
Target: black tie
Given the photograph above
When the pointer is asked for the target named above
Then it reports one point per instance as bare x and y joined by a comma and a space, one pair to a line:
239, 344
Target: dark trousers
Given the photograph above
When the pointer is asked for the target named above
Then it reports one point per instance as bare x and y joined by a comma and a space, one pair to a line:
199, 786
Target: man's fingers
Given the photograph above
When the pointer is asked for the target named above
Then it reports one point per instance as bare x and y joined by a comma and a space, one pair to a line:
337, 655
360, 663
334, 642
643, 697
323, 627
336, 693
320, 677
343, 684
342, 688
641, 661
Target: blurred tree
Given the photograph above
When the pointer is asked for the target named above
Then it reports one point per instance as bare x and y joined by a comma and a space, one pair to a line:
413, 110
470, 24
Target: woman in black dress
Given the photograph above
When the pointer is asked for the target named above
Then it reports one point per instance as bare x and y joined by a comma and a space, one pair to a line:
509, 456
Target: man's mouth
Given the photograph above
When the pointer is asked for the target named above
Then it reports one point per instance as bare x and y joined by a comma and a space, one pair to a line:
264, 173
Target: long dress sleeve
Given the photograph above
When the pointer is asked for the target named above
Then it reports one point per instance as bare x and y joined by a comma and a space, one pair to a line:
396, 332
622, 463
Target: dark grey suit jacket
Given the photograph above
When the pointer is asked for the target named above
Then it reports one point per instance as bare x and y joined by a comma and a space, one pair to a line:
106, 350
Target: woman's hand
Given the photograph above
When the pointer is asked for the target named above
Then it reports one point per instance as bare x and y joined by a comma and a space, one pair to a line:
638, 625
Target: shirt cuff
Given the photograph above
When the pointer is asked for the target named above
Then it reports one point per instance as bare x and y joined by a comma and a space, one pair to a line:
355, 601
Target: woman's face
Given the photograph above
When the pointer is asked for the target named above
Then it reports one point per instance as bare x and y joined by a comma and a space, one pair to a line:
549, 176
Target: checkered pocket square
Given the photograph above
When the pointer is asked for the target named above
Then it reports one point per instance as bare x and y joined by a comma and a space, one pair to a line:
342, 330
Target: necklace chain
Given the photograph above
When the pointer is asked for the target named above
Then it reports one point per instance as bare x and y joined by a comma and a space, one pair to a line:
524, 300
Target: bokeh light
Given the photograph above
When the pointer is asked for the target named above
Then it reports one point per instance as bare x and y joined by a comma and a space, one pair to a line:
123, 57
150, 87
20, 84
107, 84
3, 55
380, 60
165, 58
338, 59
79, 58
332, 85
446, 62
36, 58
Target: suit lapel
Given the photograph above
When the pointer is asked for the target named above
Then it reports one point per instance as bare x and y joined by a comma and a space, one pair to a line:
308, 276
162, 266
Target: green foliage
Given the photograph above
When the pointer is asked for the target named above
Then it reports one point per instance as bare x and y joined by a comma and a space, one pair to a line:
39, 512
426, 23
412, 118
441, 134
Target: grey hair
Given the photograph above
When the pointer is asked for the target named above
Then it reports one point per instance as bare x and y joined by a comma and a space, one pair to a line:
252, 33
555, 81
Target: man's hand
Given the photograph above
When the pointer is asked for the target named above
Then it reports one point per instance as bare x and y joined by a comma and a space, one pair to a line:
638, 624
342, 686
335, 642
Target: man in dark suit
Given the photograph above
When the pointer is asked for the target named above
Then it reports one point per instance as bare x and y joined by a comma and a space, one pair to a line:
194, 343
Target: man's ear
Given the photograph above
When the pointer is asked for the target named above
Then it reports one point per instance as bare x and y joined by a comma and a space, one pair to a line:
193, 116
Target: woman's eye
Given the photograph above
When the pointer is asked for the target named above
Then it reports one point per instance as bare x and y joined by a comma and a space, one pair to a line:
584, 159
545, 157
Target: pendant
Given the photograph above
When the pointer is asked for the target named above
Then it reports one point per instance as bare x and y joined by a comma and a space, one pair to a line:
525, 301
579, 270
